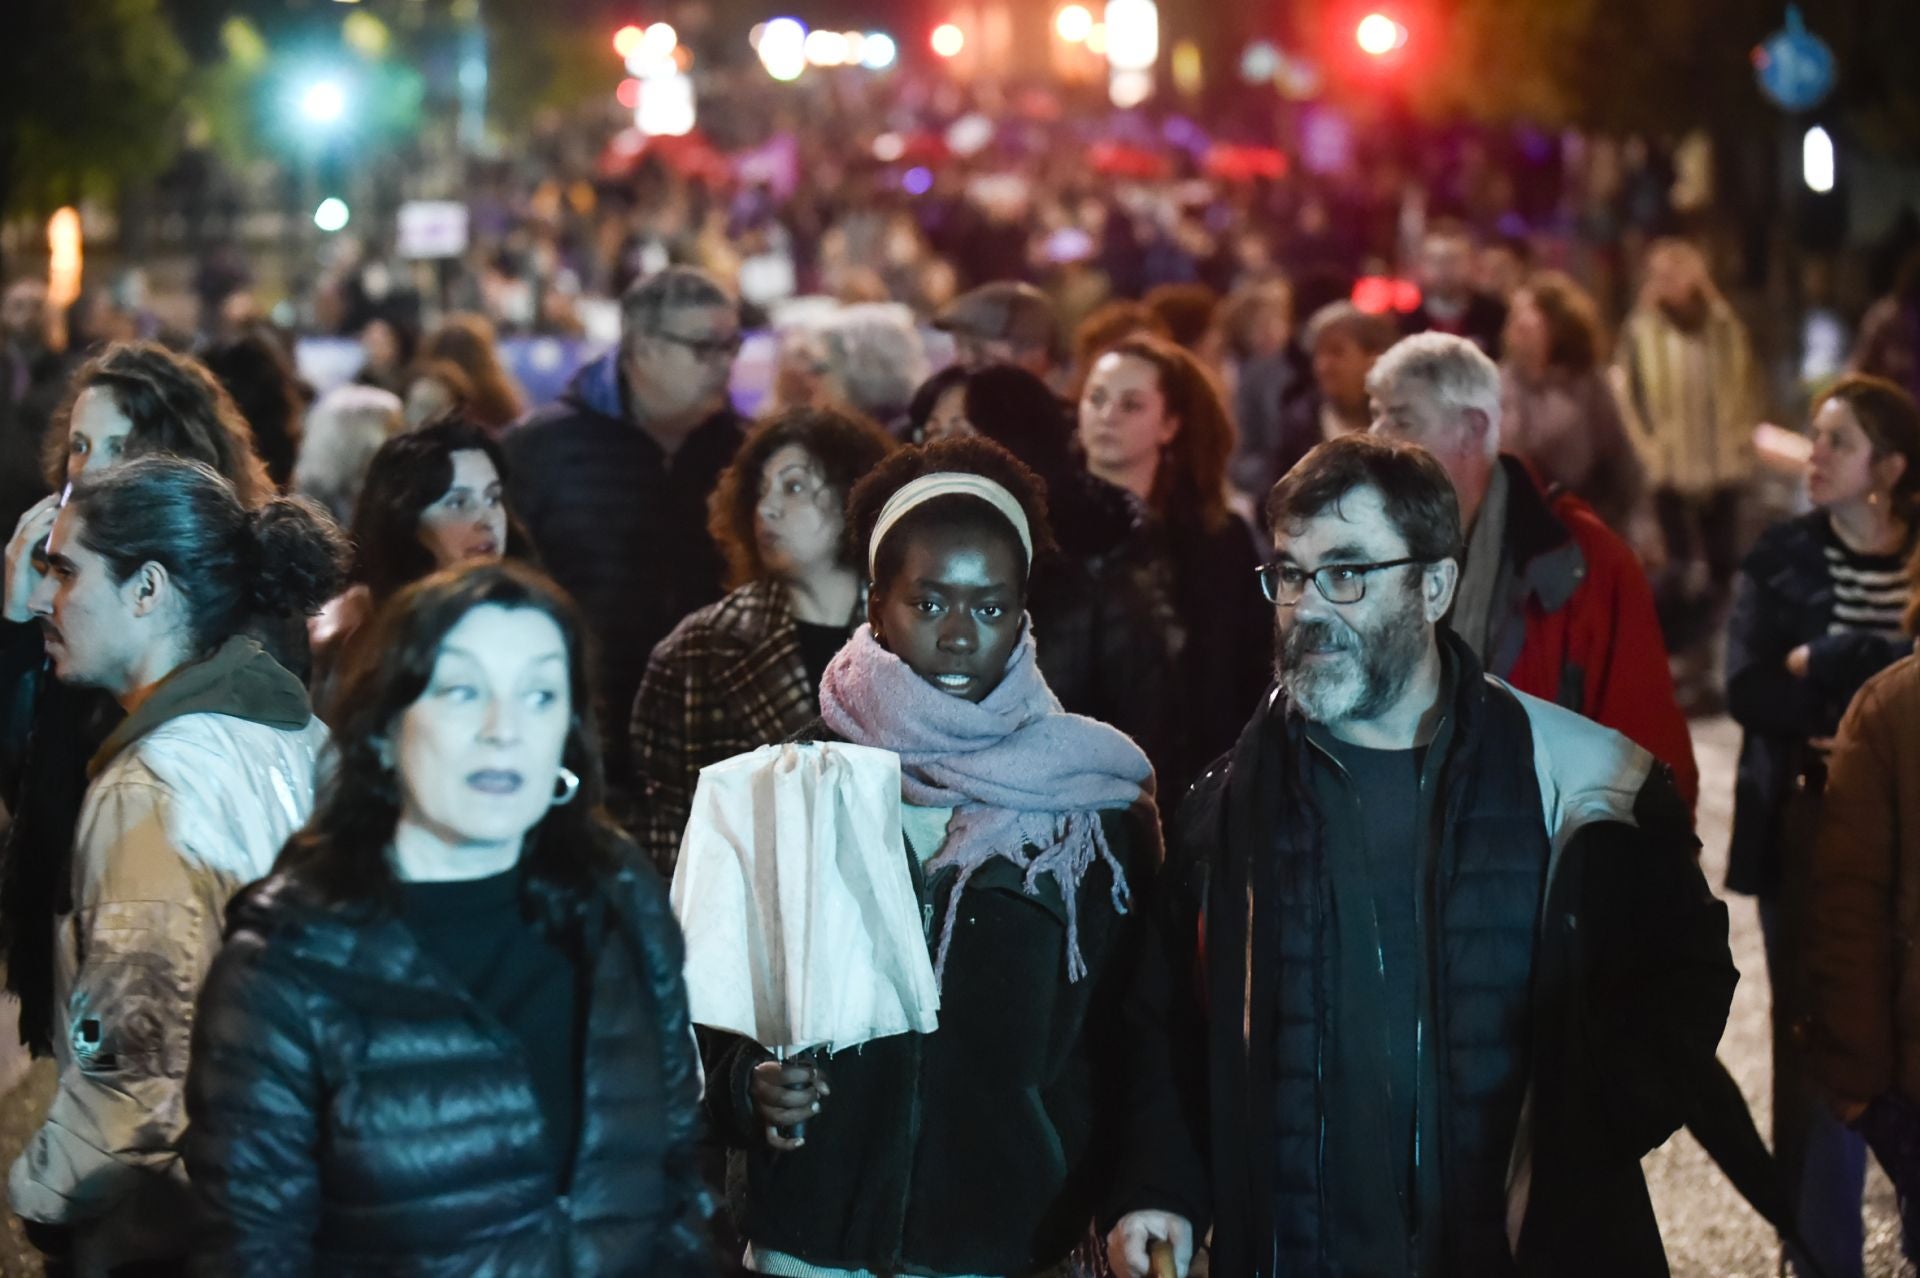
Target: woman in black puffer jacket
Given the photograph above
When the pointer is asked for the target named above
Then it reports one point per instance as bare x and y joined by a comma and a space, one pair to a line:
449, 1036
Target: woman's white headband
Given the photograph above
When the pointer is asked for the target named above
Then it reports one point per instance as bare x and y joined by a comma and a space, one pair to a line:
948, 483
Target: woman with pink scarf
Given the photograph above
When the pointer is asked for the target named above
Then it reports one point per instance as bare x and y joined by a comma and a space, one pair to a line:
980, 1150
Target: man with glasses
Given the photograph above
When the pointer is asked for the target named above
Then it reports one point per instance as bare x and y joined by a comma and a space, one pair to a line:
612, 481
1550, 599
1431, 964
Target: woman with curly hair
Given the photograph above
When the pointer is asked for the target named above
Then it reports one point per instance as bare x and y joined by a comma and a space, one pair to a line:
745, 671
134, 399
1153, 422
1558, 409
982, 1147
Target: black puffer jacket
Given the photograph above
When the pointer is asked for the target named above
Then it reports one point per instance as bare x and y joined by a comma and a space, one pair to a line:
354, 1112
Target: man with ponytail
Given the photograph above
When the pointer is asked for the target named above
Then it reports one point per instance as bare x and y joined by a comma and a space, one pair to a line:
156, 570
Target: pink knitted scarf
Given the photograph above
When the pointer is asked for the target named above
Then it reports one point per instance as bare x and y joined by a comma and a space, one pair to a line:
1026, 779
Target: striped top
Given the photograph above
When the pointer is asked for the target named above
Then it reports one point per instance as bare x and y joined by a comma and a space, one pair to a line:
1869, 591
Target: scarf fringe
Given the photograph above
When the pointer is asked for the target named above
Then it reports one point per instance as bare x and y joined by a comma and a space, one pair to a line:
1070, 842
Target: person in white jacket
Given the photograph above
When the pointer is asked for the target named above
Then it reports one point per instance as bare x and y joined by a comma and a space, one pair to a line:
157, 571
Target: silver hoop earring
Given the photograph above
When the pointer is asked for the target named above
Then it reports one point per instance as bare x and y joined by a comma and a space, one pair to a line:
569, 786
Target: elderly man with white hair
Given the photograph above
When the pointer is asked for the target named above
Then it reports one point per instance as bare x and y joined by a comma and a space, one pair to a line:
1550, 599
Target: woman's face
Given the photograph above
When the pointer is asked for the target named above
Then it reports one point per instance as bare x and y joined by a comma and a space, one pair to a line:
1123, 415
952, 610
799, 519
469, 521
381, 345
949, 417
97, 433
478, 755
1526, 337
1269, 329
1843, 467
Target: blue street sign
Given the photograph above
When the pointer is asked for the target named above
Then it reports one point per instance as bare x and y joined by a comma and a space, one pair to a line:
1795, 66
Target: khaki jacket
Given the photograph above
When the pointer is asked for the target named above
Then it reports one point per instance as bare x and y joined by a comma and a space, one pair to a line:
174, 823
1864, 899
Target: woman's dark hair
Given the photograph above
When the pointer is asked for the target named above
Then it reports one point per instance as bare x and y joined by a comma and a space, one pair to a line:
232, 564
1019, 412
257, 372
843, 445
410, 473
342, 852
176, 407
1891, 421
927, 398
467, 341
1415, 491
1013, 408
973, 456
1576, 343
406, 334
1186, 309
1190, 484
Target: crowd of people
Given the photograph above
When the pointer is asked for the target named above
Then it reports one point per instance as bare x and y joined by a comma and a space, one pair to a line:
1295, 782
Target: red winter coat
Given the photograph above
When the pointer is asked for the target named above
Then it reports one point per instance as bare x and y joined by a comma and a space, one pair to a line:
1574, 624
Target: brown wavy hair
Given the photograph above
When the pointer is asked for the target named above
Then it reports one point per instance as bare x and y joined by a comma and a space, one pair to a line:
844, 445
176, 406
1106, 324
1190, 484
1576, 340
467, 341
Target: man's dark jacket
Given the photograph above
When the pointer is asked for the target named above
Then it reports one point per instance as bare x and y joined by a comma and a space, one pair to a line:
353, 1110
621, 525
1581, 980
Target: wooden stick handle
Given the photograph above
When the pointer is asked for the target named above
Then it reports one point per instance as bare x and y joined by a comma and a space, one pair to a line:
1160, 1259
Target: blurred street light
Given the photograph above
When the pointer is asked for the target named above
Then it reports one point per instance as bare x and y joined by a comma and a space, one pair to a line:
323, 102
332, 214
826, 48
1817, 161
658, 42
65, 256
948, 40
783, 48
628, 94
879, 51
1378, 35
627, 39
1133, 34
1074, 23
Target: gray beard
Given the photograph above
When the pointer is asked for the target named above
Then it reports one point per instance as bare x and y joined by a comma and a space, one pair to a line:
1370, 675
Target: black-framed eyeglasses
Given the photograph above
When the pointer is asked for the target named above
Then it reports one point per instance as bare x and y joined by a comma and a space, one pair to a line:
1283, 583
704, 348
